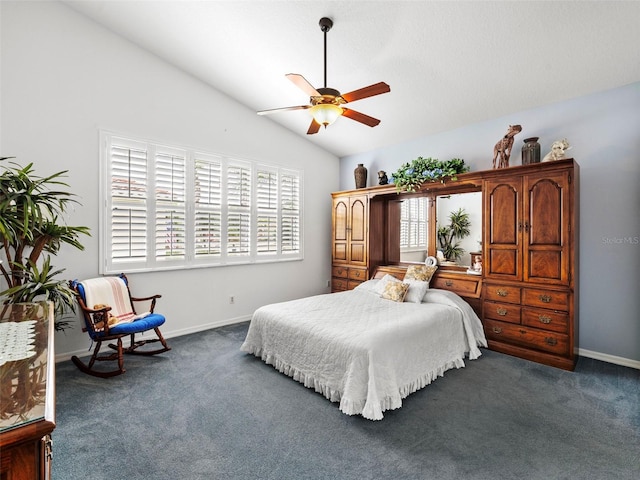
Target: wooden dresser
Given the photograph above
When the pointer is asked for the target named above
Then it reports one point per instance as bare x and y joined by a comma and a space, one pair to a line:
530, 268
527, 295
27, 395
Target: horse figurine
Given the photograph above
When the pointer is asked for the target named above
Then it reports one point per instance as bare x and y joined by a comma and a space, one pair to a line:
502, 150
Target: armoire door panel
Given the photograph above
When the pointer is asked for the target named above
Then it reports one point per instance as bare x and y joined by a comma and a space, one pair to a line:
545, 212
503, 214
357, 222
503, 262
339, 252
340, 221
358, 254
545, 265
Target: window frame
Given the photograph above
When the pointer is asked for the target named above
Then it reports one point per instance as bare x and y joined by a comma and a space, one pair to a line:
414, 223
222, 213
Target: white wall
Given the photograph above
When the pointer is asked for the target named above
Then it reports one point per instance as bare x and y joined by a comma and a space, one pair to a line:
63, 77
604, 130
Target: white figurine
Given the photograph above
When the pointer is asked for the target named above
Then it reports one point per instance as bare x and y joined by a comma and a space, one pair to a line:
558, 148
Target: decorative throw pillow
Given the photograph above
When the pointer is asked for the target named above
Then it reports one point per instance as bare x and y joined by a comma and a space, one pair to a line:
379, 288
369, 286
395, 291
417, 291
420, 272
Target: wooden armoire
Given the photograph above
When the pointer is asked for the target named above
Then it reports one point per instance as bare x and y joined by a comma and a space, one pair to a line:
530, 267
527, 295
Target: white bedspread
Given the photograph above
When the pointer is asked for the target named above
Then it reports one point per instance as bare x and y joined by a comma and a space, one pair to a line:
363, 351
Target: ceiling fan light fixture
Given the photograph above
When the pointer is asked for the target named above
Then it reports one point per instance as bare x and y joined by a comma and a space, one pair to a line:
325, 113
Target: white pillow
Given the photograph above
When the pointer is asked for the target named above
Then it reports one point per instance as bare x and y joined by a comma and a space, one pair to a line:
417, 291
369, 285
379, 288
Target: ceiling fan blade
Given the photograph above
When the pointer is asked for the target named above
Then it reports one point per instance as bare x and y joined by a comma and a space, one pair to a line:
283, 109
314, 127
370, 91
303, 84
360, 117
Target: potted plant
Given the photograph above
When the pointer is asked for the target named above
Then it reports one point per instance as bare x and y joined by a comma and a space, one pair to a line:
31, 230
449, 236
411, 175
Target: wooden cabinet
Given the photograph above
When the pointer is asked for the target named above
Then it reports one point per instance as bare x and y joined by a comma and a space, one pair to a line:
527, 295
27, 386
350, 235
529, 262
360, 236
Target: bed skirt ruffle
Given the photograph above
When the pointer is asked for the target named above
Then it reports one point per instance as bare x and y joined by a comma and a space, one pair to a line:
368, 410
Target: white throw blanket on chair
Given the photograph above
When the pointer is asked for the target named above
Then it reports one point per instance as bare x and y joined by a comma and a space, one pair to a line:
110, 291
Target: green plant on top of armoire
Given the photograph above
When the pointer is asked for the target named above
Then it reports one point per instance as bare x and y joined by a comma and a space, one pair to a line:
32, 228
449, 236
412, 174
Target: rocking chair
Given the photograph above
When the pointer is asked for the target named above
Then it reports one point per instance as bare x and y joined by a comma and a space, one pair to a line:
107, 307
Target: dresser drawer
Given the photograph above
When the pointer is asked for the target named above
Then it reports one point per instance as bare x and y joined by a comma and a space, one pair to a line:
338, 284
465, 287
537, 297
545, 319
552, 342
357, 274
504, 312
502, 293
342, 272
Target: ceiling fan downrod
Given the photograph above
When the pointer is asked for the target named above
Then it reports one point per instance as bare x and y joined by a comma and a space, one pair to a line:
325, 26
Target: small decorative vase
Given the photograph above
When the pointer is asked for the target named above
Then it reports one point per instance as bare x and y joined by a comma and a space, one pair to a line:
530, 151
360, 174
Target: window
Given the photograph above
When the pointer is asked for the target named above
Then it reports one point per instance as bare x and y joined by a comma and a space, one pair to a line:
168, 207
413, 224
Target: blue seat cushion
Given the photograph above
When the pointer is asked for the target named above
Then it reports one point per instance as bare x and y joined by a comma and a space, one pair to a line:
143, 324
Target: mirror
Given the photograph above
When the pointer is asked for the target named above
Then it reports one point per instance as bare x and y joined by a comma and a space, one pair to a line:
418, 238
460, 212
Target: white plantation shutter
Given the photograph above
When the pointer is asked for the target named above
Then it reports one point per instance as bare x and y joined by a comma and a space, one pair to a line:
267, 212
128, 201
208, 207
238, 210
170, 193
290, 212
169, 208
413, 223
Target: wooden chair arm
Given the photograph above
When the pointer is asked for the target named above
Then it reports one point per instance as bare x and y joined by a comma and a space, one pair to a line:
153, 299
98, 318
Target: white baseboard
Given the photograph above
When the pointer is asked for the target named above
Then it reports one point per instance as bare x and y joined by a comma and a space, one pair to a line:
625, 362
170, 334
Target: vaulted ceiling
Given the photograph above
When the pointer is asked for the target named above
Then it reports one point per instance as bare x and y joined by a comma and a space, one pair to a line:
449, 63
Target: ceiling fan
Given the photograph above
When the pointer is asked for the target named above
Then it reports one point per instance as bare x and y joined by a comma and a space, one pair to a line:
326, 103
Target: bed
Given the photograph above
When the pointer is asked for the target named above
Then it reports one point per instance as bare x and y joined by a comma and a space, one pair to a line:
364, 350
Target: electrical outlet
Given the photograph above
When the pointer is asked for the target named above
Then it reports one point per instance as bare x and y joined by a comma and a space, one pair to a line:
232, 299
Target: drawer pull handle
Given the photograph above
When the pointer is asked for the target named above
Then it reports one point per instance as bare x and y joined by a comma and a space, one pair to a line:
544, 319
545, 298
357, 274
502, 292
550, 341
497, 330
501, 311
448, 283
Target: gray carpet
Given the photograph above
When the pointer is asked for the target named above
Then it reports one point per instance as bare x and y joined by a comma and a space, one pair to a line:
205, 410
